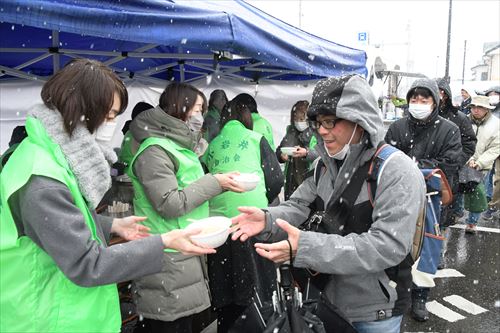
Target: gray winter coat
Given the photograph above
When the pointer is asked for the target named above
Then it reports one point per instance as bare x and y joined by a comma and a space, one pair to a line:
181, 288
359, 285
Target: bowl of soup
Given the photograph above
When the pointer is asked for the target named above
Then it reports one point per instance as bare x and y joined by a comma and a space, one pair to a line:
247, 181
214, 231
288, 150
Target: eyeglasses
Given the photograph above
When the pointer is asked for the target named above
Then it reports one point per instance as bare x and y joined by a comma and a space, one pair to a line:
327, 123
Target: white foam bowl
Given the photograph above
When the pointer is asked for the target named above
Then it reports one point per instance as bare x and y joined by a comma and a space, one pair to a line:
247, 181
214, 232
288, 150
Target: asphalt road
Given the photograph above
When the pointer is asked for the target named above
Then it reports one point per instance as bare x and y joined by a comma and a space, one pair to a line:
458, 304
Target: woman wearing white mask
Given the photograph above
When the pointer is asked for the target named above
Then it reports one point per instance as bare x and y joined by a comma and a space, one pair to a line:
433, 142
301, 137
53, 254
171, 189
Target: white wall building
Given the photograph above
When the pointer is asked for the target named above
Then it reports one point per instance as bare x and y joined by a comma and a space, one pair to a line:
489, 69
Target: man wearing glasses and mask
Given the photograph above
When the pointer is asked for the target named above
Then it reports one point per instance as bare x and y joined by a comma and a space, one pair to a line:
367, 261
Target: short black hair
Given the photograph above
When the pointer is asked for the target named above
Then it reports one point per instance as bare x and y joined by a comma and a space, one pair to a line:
140, 107
248, 100
420, 91
236, 110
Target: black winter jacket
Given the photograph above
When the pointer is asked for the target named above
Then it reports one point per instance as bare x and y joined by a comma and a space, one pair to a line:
433, 143
296, 167
468, 137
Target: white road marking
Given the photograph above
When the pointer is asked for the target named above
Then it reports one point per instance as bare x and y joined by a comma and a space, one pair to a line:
443, 312
462, 226
448, 272
464, 304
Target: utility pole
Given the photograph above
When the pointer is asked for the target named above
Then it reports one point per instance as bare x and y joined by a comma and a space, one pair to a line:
463, 66
447, 68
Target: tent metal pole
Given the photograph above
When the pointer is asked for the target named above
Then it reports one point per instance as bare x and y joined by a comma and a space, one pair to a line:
6, 70
22, 50
121, 57
273, 70
112, 53
153, 80
118, 71
56, 59
32, 61
157, 69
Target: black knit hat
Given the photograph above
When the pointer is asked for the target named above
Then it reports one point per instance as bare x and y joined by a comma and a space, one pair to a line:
247, 100
326, 96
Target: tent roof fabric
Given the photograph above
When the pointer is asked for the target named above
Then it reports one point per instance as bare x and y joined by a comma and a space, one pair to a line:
181, 40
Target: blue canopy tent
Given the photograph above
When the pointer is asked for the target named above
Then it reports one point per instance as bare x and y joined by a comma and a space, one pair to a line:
165, 40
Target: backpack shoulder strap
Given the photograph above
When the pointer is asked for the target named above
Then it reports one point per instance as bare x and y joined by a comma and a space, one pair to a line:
384, 151
318, 169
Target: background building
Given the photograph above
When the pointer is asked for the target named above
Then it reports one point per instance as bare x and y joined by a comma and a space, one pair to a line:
489, 68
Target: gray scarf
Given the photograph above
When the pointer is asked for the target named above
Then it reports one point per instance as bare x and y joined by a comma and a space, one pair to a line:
89, 161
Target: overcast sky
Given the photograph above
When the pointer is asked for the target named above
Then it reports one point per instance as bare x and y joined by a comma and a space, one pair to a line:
391, 24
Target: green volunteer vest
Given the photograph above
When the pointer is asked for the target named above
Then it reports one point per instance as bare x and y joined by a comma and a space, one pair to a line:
6, 154
190, 170
125, 150
236, 149
35, 295
262, 126
313, 142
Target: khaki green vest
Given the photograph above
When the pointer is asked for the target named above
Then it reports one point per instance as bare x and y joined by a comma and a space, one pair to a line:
262, 126
190, 170
236, 148
126, 154
35, 295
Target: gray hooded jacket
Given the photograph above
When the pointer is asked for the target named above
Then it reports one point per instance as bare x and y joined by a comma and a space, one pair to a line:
359, 285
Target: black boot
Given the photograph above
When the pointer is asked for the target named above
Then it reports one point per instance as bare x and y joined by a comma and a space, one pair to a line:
418, 299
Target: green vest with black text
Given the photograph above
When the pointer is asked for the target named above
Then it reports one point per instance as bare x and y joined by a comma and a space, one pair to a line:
35, 295
236, 148
190, 170
262, 126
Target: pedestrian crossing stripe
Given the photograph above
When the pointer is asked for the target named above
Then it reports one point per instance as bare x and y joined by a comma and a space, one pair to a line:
462, 226
464, 304
448, 272
457, 301
443, 312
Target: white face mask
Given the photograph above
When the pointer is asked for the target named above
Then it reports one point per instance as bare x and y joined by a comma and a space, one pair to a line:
301, 125
340, 155
493, 99
420, 111
104, 133
195, 122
